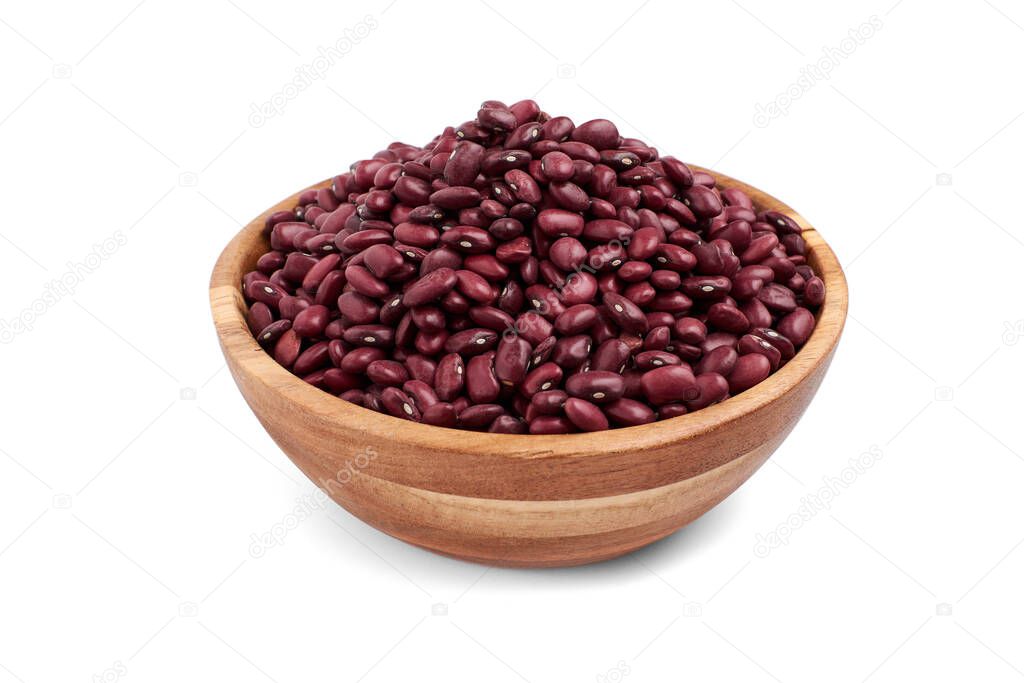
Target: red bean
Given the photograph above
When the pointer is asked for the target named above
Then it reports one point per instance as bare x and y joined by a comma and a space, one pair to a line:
455, 197
779, 341
585, 415
440, 415
571, 352
625, 313
379, 336
750, 369
481, 383
750, 343
669, 384
475, 286
311, 321
357, 360
512, 360
479, 416
507, 424
597, 386
259, 316
542, 378
450, 377
398, 404
627, 412
468, 239
713, 388
814, 291
430, 287
612, 355
287, 348
560, 223
387, 373
576, 319
777, 298
549, 402
797, 326
382, 260
727, 317
464, 163
599, 134
720, 360
313, 358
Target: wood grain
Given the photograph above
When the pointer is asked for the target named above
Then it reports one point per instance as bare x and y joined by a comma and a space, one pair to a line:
523, 500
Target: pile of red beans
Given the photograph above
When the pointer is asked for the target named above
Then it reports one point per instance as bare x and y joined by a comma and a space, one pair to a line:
522, 274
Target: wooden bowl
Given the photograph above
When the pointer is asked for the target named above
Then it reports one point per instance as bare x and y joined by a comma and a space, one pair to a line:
523, 500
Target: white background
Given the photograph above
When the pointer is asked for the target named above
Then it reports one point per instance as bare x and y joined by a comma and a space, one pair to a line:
133, 477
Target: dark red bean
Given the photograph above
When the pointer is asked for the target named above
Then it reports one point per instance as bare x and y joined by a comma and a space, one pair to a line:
728, 318
580, 287
750, 369
421, 393
678, 172
778, 298
337, 381
648, 360
382, 260
479, 416
387, 373
597, 386
720, 360
440, 415
380, 336
450, 377
287, 347
455, 197
542, 378
707, 286
365, 282
576, 319
512, 360
669, 384
397, 403
750, 343
475, 286
560, 223
713, 388
549, 402
585, 415
814, 292
797, 326
357, 360
779, 341
258, 317
571, 352
612, 355
599, 134
627, 412
507, 424
311, 321
468, 239
481, 383
625, 313
430, 287
550, 424
269, 335
473, 341
668, 411
463, 165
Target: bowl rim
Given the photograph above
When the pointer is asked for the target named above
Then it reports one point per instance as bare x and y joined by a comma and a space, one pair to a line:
242, 351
